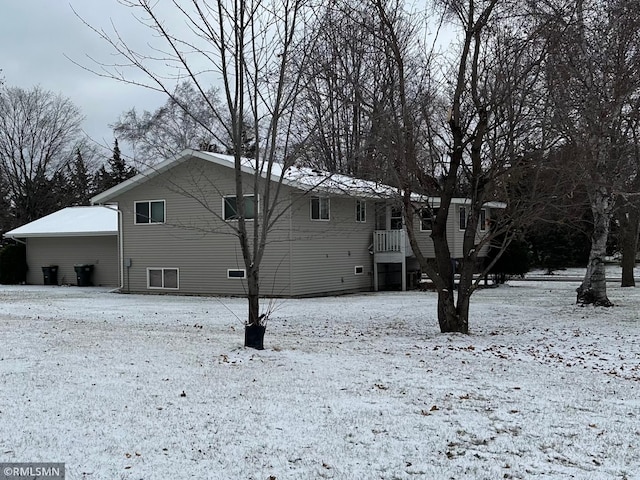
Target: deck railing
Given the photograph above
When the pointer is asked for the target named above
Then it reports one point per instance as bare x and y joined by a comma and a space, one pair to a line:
388, 241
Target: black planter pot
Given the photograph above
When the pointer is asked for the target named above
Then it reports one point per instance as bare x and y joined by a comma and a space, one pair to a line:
254, 336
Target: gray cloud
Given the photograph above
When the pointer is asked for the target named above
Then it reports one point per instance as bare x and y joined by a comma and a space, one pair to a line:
39, 37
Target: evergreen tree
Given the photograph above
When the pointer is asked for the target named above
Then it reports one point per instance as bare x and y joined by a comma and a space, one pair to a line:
79, 181
118, 171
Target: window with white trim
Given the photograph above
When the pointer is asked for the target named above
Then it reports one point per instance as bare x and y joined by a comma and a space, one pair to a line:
230, 207
482, 221
237, 273
358, 270
361, 211
320, 208
462, 213
149, 211
163, 278
427, 217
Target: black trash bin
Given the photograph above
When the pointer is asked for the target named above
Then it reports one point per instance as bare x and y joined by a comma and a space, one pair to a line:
83, 275
50, 275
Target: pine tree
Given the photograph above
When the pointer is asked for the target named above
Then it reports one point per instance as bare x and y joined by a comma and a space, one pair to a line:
118, 171
80, 182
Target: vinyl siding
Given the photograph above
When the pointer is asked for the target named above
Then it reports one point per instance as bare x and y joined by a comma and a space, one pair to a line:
194, 238
325, 253
66, 252
455, 236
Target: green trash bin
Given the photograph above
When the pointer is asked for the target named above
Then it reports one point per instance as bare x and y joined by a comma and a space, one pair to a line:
50, 274
83, 275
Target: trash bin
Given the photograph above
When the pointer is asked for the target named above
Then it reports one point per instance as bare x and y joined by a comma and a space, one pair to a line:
83, 275
50, 274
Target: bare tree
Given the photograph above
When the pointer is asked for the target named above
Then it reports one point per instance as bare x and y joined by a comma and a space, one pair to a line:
594, 81
493, 129
39, 132
173, 127
245, 47
342, 85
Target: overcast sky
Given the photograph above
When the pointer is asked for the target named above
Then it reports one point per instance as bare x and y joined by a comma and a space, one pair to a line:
41, 39
36, 36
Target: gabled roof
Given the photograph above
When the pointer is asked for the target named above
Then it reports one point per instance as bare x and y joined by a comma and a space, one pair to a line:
302, 178
71, 222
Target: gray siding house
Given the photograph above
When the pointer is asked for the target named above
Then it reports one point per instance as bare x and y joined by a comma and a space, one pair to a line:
333, 235
69, 237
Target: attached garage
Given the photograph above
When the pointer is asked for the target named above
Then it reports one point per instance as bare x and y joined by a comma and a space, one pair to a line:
71, 244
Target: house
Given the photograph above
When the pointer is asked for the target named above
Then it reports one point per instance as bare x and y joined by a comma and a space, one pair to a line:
68, 238
333, 234
394, 263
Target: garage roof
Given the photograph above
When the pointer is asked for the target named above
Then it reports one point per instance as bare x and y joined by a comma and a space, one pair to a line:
71, 222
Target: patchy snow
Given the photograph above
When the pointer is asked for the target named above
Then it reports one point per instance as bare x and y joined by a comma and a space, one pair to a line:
353, 387
81, 221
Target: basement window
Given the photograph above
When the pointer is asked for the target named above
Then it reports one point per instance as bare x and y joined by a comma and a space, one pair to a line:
163, 278
237, 273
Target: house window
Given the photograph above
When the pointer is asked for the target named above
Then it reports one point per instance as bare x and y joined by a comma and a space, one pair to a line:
319, 208
150, 212
237, 273
359, 270
231, 207
361, 211
396, 218
483, 220
463, 218
163, 278
427, 217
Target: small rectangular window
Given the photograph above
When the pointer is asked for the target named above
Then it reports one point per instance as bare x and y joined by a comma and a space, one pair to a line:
396, 218
483, 220
359, 270
427, 217
463, 218
361, 211
230, 206
162, 278
320, 208
237, 273
149, 212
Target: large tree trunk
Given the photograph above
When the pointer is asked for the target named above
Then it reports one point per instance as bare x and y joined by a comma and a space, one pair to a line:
452, 318
629, 225
255, 328
594, 286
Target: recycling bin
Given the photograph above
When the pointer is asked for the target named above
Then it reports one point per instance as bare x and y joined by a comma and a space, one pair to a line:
50, 274
83, 275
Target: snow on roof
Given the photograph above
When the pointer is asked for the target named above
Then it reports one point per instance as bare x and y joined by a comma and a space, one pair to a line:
71, 221
302, 178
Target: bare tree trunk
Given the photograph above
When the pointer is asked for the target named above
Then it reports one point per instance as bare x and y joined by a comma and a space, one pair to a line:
594, 286
253, 296
630, 227
451, 318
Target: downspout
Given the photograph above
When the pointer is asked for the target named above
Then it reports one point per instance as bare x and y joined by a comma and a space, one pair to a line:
120, 248
290, 244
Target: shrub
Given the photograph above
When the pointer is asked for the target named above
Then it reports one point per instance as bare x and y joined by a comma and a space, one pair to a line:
13, 264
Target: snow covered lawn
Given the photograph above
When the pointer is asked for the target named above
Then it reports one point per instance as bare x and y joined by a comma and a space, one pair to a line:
353, 387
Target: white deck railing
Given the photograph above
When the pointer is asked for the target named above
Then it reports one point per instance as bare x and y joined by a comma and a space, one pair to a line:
388, 241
